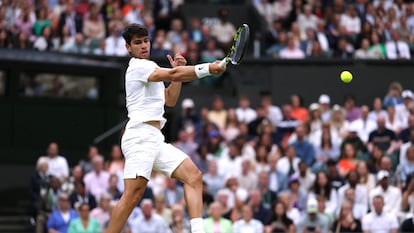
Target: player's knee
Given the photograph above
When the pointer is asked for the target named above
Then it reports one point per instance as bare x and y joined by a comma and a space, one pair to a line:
196, 178
134, 196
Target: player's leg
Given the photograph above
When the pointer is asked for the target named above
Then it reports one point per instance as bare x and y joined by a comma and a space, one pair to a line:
134, 189
176, 164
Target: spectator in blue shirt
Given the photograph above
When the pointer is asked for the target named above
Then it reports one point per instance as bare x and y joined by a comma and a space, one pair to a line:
59, 219
304, 150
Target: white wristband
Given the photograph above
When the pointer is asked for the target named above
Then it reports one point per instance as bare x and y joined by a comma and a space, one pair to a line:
202, 70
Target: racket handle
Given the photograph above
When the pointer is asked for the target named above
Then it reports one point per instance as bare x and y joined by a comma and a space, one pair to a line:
224, 62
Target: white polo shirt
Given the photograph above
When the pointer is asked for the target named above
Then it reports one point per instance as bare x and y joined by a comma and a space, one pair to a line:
144, 100
379, 223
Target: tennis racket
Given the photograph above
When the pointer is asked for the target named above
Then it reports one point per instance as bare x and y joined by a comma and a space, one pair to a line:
239, 46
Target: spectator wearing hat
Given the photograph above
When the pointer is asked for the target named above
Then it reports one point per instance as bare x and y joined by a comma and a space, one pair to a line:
315, 119
324, 102
392, 195
189, 119
313, 221
379, 220
363, 125
338, 122
402, 111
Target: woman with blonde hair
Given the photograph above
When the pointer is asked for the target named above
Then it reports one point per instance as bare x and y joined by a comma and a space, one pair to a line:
366, 179
178, 223
346, 221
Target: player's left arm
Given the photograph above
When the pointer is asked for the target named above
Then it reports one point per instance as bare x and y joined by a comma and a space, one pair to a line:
172, 92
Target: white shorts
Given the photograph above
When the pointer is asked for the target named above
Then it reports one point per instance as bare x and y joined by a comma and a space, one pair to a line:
145, 150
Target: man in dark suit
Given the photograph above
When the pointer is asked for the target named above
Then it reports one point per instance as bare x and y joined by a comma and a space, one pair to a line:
80, 196
71, 19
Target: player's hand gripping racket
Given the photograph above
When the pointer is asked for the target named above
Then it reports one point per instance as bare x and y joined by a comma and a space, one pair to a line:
239, 46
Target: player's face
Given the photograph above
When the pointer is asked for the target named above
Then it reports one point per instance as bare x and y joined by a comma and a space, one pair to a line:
139, 47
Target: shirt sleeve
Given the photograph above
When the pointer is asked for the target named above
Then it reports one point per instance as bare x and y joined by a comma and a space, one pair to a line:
140, 69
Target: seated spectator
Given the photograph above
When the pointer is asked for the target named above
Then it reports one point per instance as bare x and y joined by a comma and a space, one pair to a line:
408, 143
364, 52
392, 122
101, 213
42, 21
402, 111
211, 53
322, 187
306, 177
396, 48
173, 194
366, 179
406, 169
161, 208
85, 223
304, 150
24, 22
68, 185
224, 30
317, 51
186, 143
348, 162
274, 49
292, 50
248, 223
148, 221
298, 111
377, 47
335, 179
338, 122
382, 137
277, 181
70, 18
113, 187
58, 166
312, 221
86, 164
5, 39
377, 110
297, 196
39, 181
279, 221
114, 44
60, 218
291, 212
360, 192
96, 181
268, 196
346, 221
327, 149
358, 210
260, 212
77, 45
80, 195
392, 196
116, 161
44, 41
344, 49
379, 220
351, 22
247, 178
215, 220
213, 180
307, 20
288, 164
178, 222
394, 95
407, 225
230, 163
218, 114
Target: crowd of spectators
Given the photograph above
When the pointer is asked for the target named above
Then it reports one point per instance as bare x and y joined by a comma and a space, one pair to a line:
323, 168
297, 29
361, 29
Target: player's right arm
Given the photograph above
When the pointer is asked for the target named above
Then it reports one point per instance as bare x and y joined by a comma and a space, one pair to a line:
183, 73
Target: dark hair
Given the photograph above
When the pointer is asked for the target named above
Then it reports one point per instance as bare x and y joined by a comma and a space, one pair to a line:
134, 30
323, 191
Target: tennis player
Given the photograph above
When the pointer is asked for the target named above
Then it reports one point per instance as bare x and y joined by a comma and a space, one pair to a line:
143, 143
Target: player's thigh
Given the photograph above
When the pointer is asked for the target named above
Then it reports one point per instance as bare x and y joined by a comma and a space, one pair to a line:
172, 159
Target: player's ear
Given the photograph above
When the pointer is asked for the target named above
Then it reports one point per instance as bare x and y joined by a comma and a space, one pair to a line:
128, 47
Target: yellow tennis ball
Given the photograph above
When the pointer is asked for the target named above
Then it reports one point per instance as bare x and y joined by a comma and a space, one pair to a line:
346, 76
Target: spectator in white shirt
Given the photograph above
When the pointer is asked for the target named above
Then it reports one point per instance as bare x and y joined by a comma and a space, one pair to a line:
58, 165
402, 110
377, 110
148, 221
350, 21
97, 181
247, 223
114, 44
396, 48
288, 164
378, 220
307, 20
292, 50
392, 195
245, 114
363, 125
